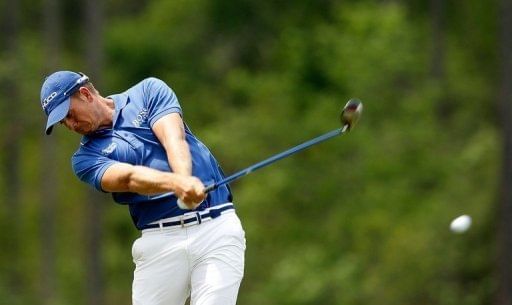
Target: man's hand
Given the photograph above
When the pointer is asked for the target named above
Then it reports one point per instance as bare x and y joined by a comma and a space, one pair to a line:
190, 191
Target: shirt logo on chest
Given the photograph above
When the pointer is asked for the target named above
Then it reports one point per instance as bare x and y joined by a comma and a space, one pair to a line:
107, 151
141, 117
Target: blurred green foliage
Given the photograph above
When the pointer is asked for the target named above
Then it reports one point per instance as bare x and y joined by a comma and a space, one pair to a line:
362, 219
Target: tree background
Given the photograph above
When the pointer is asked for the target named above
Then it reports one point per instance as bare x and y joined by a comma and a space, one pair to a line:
361, 219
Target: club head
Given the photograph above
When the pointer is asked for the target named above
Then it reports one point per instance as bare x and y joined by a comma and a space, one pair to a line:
351, 113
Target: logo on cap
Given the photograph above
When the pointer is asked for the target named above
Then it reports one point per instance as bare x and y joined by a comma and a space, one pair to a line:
47, 100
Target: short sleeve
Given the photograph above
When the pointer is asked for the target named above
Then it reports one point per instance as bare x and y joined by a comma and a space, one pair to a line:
160, 100
90, 166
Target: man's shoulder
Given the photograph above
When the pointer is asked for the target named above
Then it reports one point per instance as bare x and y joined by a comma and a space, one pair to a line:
144, 88
149, 82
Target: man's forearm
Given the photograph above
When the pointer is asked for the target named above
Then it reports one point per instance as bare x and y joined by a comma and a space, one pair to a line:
170, 131
179, 158
147, 181
123, 177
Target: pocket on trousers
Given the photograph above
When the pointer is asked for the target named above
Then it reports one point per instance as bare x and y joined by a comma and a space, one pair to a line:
236, 229
136, 250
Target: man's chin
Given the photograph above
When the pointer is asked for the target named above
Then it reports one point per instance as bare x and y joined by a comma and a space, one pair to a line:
84, 132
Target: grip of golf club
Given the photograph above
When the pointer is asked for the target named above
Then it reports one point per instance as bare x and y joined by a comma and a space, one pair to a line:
210, 188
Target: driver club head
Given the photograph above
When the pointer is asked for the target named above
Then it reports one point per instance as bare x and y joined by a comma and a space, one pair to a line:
351, 113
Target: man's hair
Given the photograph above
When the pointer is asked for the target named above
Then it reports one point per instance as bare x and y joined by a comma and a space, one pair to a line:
90, 86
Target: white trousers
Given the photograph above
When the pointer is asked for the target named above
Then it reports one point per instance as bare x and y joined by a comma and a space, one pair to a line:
204, 261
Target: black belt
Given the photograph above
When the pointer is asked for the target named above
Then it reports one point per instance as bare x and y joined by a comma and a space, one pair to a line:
196, 217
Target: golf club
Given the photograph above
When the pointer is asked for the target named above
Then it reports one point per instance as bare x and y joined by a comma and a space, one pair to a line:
349, 116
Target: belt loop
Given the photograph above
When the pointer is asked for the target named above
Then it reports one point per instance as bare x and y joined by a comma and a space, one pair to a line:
161, 225
198, 217
182, 221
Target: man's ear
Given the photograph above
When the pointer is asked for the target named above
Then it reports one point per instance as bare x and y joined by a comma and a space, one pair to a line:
86, 93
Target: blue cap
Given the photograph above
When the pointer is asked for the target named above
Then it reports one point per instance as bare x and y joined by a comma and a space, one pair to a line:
56, 95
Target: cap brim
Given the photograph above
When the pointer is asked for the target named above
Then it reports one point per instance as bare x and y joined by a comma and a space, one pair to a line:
57, 115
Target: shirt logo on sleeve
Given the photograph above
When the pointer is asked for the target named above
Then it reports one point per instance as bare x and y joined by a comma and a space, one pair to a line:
107, 151
141, 117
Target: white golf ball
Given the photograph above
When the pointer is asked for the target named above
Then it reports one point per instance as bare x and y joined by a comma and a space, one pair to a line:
182, 205
461, 224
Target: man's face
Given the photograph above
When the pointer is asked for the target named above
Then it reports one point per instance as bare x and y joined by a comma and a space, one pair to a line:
81, 118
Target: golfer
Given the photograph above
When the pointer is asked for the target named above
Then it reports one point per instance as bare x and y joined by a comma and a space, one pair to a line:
136, 146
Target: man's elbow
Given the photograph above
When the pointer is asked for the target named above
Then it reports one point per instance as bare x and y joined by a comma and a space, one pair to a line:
118, 178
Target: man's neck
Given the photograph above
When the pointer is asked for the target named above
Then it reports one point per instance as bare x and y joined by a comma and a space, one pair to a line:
108, 112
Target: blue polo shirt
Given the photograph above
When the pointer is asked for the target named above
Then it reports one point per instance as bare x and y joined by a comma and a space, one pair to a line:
131, 140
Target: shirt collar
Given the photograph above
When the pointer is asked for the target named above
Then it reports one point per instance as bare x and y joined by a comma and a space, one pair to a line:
120, 100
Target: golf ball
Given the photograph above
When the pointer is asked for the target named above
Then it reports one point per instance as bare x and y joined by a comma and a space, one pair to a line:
182, 205
461, 224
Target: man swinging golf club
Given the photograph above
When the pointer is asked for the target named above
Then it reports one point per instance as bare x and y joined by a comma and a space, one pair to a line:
136, 146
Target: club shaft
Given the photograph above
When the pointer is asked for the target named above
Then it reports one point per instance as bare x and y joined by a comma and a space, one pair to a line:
277, 157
